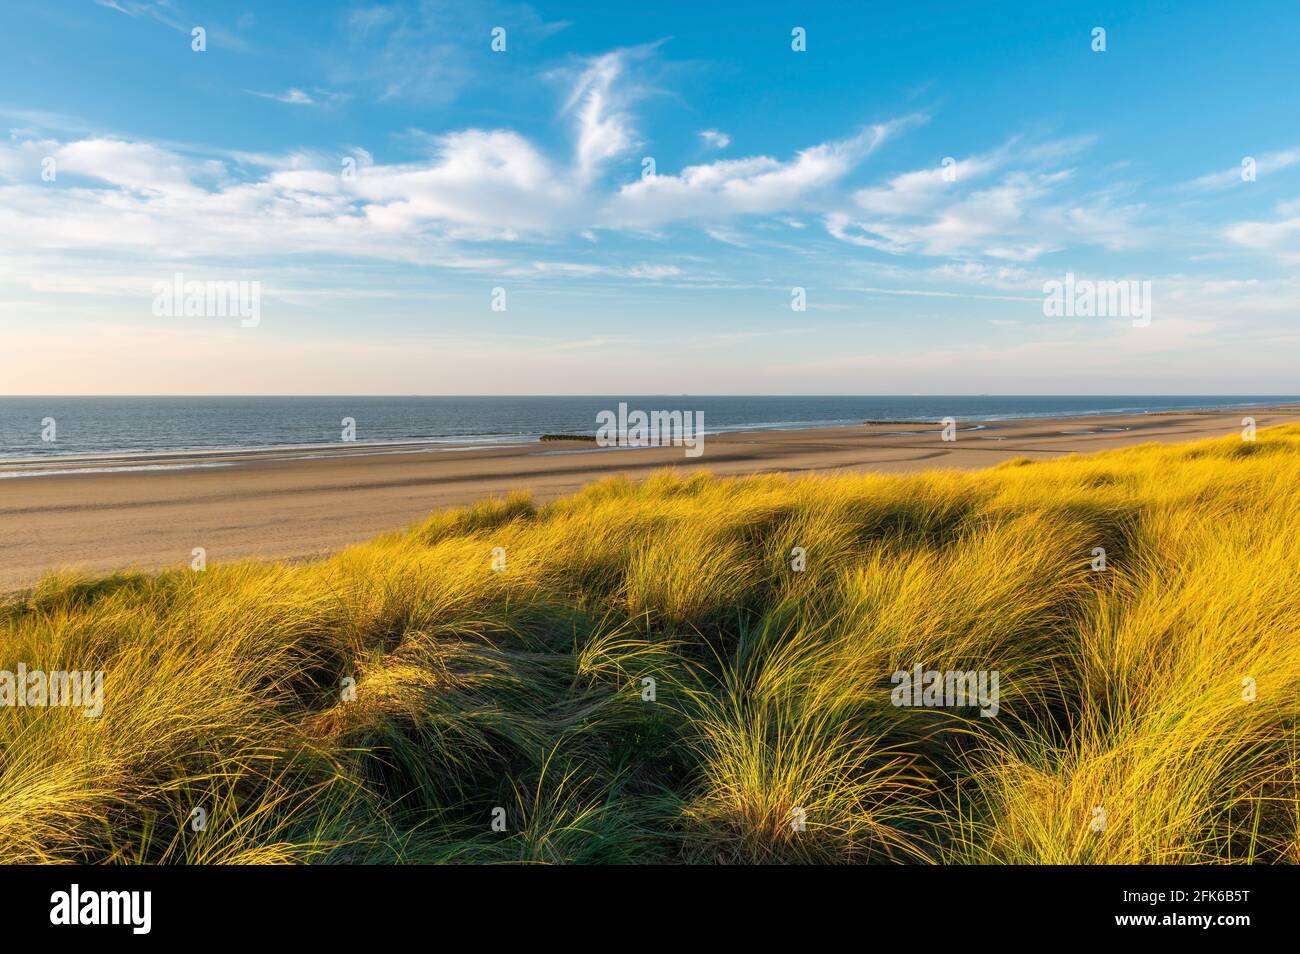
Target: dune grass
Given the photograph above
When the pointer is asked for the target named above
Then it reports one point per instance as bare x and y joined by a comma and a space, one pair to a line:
648, 680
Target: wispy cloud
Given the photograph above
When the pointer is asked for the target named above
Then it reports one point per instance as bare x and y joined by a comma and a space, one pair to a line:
421, 52
1279, 237
598, 105
292, 95
1263, 166
158, 10
1016, 203
169, 15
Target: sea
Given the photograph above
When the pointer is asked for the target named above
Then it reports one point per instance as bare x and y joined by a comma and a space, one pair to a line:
44, 427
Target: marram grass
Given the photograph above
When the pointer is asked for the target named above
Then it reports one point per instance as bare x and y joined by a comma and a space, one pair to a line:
1147, 713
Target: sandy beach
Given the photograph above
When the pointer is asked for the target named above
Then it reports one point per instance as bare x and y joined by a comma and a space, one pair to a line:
152, 511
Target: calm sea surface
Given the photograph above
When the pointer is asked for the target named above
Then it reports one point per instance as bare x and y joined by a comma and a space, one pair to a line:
117, 425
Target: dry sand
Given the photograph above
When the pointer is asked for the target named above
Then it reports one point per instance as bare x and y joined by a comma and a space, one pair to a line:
295, 505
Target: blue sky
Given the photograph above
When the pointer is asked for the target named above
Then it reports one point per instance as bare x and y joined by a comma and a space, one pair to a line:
523, 170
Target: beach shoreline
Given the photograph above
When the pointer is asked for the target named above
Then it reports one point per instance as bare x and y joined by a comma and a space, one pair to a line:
102, 513
53, 454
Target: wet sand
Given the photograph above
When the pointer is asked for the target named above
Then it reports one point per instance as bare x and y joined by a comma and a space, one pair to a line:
299, 504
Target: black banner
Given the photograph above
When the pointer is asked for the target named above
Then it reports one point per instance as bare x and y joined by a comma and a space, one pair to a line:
349, 904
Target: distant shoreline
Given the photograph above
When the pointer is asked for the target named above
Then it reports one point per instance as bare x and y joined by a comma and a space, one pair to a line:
234, 454
283, 506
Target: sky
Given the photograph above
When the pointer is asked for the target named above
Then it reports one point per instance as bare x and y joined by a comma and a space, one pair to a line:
625, 197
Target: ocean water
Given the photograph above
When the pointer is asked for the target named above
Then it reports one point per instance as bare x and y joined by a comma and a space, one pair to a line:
137, 425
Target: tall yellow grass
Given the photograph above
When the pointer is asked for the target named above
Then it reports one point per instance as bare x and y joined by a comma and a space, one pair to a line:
523, 695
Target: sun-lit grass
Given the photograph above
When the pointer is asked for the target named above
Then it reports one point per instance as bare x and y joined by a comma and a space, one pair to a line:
648, 679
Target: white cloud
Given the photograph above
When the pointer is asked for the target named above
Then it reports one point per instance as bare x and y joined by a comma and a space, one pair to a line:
922, 190
490, 183
475, 185
755, 185
132, 165
714, 139
1280, 237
